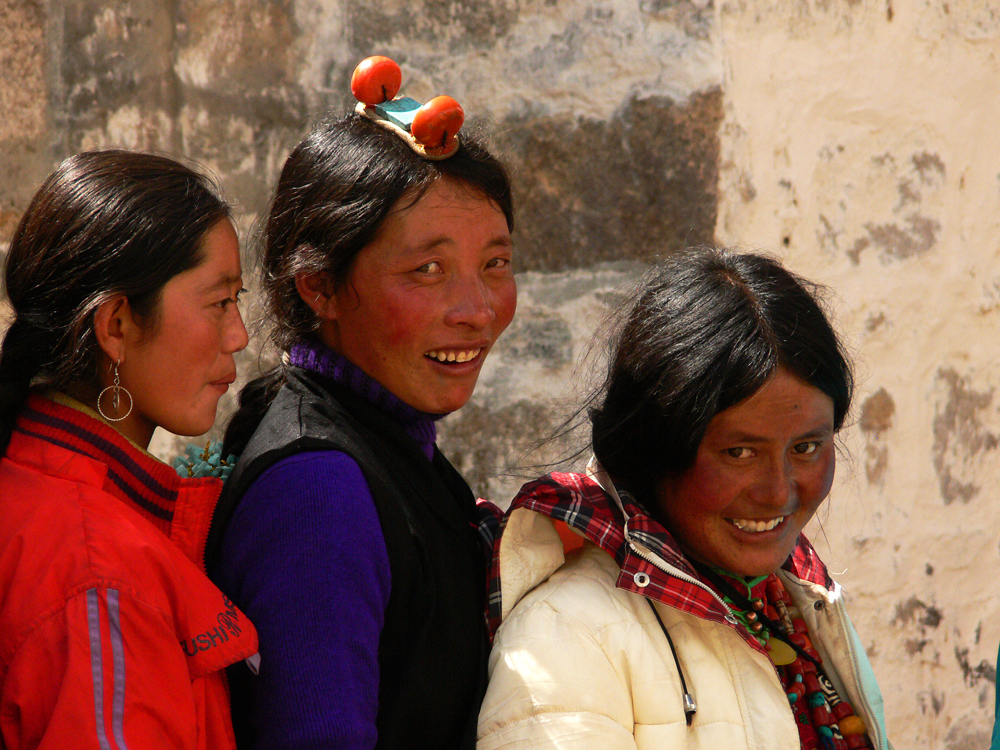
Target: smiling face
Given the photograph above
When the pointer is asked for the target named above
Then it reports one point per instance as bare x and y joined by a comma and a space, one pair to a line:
425, 301
177, 371
763, 468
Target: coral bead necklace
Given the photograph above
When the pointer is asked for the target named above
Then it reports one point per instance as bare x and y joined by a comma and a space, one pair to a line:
825, 720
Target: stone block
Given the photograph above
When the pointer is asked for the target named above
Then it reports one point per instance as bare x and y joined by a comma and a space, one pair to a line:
638, 186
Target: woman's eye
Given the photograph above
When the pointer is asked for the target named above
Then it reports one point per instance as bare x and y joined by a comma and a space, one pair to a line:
804, 449
432, 267
739, 452
234, 300
498, 263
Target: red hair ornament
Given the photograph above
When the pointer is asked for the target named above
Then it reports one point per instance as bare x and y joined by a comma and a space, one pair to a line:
430, 129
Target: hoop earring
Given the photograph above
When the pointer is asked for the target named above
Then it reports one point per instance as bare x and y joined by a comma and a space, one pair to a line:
115, 398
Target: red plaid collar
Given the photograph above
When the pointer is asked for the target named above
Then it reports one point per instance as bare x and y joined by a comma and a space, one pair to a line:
581, 503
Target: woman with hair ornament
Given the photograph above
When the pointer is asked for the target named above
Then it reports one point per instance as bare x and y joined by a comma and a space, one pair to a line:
344, 533
694, 613
123, 276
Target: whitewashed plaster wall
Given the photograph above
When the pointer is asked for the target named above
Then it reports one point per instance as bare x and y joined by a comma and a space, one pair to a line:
860, 143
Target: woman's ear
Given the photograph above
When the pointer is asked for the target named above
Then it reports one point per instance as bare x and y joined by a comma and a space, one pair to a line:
317, 290
113, 325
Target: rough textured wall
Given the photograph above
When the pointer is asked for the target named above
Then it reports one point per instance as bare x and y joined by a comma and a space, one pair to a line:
24, 122
856, 138
858, 141
607, 113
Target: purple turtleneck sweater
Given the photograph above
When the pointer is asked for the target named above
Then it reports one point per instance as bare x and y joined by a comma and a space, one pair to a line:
306, 560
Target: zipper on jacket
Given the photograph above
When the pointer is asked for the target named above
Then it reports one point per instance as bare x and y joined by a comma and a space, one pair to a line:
654, 559
596, 472
657, 561
690, 706
873, 726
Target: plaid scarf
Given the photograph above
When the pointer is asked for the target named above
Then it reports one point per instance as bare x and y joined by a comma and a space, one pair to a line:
580, 502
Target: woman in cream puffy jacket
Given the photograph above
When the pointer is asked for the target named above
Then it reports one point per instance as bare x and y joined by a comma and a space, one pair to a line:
694, 614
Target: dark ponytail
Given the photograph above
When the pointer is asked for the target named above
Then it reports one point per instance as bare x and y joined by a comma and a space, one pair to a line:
104, 223
20, 360
335, 189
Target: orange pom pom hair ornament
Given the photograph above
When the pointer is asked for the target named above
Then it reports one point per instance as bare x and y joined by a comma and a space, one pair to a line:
430, 129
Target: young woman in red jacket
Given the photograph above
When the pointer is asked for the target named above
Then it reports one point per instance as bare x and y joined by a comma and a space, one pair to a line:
123, 276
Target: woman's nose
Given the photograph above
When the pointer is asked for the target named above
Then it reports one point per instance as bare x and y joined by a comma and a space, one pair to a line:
471, 304
236, 337
776, 485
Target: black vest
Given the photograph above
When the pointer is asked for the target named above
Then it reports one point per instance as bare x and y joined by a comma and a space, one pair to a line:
433, 646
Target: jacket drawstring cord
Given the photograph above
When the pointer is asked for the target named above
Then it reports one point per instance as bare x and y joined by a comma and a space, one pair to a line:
690, 707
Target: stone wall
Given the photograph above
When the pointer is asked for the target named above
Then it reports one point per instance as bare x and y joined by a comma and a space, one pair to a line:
856, 139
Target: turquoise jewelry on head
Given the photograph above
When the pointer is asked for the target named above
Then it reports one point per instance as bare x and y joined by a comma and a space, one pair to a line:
117, 390
430, 129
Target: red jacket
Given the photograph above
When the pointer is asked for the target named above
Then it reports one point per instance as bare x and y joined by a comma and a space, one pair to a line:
111, 636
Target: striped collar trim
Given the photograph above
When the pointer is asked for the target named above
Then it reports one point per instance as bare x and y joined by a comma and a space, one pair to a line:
143, 482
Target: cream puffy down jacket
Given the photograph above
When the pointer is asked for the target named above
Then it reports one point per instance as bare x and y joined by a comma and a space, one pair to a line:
580, 660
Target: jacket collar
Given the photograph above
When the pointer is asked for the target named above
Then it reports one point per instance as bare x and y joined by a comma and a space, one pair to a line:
650, 560
178, 507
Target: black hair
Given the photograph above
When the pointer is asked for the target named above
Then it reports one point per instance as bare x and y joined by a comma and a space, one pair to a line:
705, 332
104, 223
335, 190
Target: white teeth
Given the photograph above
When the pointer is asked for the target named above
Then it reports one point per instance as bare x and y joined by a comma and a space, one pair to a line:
756, 526
454, 356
